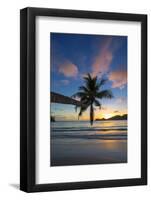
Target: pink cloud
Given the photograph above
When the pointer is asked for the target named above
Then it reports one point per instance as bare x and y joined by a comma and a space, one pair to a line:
68, 69
118, 78
103, 59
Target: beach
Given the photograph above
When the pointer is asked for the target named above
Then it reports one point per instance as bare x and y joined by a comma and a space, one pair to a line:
78, 143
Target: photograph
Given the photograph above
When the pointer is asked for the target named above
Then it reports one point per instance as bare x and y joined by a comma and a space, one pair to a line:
88, 99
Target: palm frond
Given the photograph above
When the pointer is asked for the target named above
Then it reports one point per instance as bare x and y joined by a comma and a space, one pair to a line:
95, 79
76, 108
91, 83
103, 81
105, 94
97, 103
82, 109
83, 88
87, 77
78, 94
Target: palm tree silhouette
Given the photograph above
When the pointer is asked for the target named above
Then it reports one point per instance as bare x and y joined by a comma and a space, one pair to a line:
90, 93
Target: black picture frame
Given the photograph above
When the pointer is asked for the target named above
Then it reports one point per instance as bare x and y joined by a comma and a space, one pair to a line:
28, 98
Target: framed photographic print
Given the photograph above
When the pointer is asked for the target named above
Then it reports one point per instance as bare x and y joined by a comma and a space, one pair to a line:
83, 98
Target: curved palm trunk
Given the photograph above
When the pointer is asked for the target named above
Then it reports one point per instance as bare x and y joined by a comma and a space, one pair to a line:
91, 114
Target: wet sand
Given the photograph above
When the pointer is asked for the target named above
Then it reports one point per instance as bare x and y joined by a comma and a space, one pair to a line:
87, 151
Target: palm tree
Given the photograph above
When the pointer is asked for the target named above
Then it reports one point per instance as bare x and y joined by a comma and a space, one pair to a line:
90, 93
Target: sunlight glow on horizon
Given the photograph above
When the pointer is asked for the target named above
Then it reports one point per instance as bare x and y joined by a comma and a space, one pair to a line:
85, 116
107, 116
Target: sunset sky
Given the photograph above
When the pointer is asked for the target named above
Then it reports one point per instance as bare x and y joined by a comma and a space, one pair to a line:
74, 55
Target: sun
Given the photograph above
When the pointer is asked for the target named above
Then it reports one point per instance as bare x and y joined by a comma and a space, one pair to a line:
108, 115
